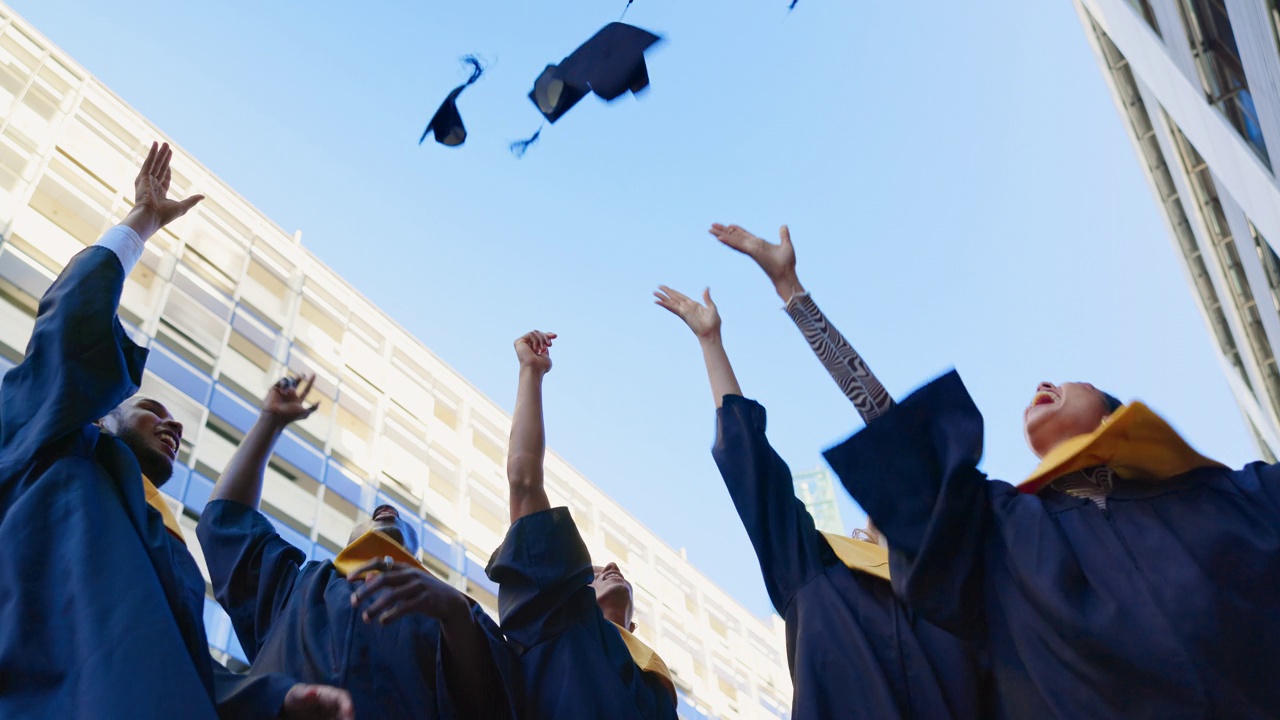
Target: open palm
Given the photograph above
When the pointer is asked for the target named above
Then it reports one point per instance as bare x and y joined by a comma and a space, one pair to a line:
702, 318
151, 187
777, 261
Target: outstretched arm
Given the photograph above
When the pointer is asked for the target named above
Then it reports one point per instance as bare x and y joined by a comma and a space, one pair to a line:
704, 321
782, 532
844, 364
242, 480
528, 444
79, 363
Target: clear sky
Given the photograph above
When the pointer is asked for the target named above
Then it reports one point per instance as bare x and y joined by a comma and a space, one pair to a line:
959, 185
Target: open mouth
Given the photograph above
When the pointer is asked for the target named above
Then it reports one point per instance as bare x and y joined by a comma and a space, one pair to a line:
171, 442
1044, 397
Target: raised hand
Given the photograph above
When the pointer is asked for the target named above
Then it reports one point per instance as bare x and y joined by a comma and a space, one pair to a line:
317, 702
702, 318
397, 589
777, 261
286, 401
533, 349
151, 190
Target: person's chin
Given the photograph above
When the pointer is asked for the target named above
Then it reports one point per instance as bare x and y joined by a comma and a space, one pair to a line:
158, 469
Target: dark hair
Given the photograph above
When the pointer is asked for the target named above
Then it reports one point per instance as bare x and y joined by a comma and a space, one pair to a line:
1113, 404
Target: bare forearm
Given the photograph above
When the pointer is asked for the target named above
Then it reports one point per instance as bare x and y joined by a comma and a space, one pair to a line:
527, 448
719, 369
242, 480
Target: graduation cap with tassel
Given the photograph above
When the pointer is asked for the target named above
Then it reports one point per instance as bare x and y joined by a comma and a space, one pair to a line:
609, 64
447, 122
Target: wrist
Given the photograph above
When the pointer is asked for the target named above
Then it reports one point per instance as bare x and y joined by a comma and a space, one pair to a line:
710, 339
273, 422
528, 370
787, 286
144, 220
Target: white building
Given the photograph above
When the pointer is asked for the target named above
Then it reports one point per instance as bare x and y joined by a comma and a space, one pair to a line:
1197, 83
227, 301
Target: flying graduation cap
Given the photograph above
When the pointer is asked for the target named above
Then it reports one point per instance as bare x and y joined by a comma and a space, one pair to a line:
447, 122
609, 64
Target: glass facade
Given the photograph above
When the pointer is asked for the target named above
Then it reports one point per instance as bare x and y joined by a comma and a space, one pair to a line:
227, 302
817, 490
1215, 197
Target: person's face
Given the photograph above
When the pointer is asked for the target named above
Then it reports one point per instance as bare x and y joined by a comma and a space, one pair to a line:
613, 593
150, 432
386, 519
1059, 412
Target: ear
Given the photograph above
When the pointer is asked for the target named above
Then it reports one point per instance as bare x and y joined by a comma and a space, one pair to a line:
632, 629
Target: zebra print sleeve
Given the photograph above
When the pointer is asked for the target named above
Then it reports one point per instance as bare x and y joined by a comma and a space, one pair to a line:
846, 366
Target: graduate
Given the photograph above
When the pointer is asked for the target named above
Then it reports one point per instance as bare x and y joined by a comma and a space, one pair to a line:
101, 604
406, 644
1127, 576
854, 649
568, 622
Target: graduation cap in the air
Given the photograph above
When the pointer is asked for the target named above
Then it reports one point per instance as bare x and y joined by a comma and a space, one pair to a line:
609, 64
447, 122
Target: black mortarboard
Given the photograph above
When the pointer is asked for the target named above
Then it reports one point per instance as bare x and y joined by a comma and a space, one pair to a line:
609, 64
447, 122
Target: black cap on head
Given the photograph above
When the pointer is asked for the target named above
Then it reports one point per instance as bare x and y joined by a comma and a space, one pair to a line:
446, 124
1111, 401
609, 64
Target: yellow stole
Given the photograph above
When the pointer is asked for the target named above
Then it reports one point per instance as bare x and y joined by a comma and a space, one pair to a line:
370, 546
1134, 442
860, 555
646, 659
157, 501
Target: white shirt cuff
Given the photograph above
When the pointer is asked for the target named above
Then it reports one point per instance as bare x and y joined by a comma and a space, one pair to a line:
125, 243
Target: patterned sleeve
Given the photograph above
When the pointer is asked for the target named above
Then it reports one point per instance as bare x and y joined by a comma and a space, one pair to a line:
844, 364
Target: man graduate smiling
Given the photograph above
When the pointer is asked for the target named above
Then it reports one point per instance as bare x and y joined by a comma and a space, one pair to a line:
101, 607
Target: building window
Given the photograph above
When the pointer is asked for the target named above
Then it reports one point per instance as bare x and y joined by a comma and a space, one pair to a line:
1213, 44
1143, 8
1224, 243
1140, 123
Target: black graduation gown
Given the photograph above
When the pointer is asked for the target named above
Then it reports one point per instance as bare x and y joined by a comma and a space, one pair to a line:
855, 650
1166, 605
101, 609
569, 661
295, 617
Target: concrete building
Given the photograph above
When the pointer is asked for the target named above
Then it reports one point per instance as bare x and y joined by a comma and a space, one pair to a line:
228, 302
817, 490
1197, 83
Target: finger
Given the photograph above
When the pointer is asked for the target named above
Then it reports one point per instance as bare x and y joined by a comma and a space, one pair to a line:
151, 159
305, 390
676, 295
784, 233
382, 580
706, 298
165, 178
373, 565
552, 336
311, 410
397, 599
162, 161
189, 203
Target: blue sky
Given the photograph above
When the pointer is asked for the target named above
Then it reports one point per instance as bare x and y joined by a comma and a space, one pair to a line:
959, 186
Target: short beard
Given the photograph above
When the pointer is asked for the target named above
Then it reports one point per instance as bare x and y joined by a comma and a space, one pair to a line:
156, 467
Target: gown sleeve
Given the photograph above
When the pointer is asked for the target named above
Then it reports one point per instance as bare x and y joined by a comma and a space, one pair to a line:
543, 570
915, 472
79, 363
787, 543
245, 697
252, 568
842, 362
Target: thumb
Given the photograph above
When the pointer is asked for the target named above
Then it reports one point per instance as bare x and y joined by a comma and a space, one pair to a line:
785, 234
706, 299
189, 203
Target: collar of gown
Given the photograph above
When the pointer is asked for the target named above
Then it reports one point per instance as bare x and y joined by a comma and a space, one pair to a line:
373, 544
1134, 442
860, 555
157, 501
646, 659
